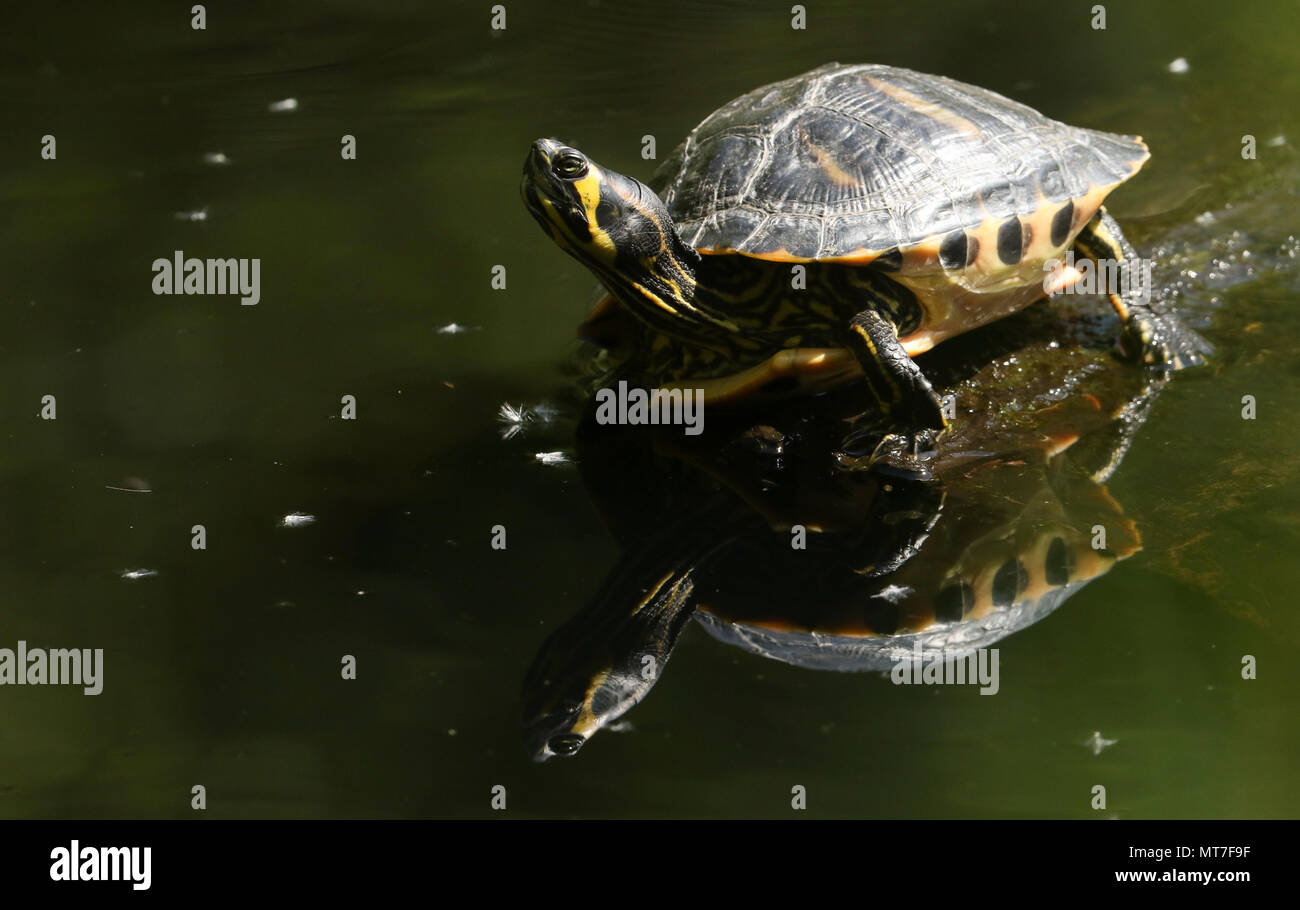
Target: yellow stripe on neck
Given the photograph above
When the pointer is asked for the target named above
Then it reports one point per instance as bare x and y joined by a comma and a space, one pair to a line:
588, 188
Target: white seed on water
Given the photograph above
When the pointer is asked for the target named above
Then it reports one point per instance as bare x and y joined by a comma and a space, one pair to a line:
454, 328
1097, 742
893, 593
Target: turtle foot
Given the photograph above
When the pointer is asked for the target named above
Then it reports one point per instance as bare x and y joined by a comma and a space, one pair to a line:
900, 455
1163, 342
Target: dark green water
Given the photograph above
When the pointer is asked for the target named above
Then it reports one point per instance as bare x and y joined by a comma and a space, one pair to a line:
223, 668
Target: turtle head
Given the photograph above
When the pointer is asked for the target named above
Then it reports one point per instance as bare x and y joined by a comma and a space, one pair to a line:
615, 225
580, 683
593, 669
561, 714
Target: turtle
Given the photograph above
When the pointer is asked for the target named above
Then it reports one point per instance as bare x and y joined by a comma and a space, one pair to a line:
916, 207
1004, 535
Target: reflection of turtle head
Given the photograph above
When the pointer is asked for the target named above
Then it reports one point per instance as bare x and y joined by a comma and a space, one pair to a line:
592, 670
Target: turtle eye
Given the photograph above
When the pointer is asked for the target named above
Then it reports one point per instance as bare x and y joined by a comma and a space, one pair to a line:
569, 165
566, 743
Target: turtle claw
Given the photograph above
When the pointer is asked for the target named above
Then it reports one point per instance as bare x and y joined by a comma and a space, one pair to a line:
1163, 342
903, 456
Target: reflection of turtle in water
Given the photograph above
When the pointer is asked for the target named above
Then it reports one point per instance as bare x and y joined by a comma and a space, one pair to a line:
1015, 522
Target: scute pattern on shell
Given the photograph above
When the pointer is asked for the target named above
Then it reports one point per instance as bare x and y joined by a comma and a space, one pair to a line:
850, 158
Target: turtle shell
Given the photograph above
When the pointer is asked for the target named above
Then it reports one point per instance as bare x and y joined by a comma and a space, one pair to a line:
870, 162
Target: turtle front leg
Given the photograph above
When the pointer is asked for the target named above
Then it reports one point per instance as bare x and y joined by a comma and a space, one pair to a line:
911, 409
1154, 336
897, 384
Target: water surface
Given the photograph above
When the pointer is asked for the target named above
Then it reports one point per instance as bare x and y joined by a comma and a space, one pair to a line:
222, 668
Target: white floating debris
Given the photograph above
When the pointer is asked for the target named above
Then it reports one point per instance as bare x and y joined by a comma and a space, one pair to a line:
514, 419
893, 593
196, 215
1205, 219
130, 485
133, 574
288, 104
508, 413
1276, 142
217, 158
1179, 66
1097, 742
454, 328
296, 520
546, 412
552, 458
